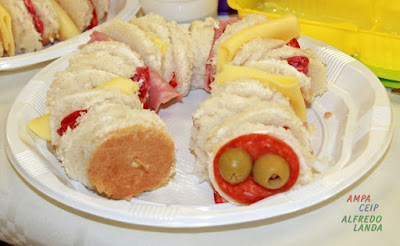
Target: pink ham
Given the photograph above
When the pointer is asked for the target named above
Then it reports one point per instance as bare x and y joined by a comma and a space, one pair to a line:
160, 91
98, 36
210, 70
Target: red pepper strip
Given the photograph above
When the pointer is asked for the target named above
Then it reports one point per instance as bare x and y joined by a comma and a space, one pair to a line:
218, 198
294, 43
70, 121
143, 75
36, 20
300, 63
248, 191
173, 82
94, 20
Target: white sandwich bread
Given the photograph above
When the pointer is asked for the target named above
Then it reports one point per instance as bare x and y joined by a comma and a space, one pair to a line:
77, 104
110, 56
119, 152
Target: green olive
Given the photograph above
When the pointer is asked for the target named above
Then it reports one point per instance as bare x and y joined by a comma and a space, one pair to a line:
271, 171
235, 165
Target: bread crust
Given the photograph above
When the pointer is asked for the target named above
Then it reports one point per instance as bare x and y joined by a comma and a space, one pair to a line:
130, 161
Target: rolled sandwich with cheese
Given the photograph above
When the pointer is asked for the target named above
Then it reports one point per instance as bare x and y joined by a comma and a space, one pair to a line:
85, 14
107, 142
247, 115
164, 46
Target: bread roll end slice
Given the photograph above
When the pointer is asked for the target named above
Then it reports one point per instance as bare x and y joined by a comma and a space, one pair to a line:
132, 160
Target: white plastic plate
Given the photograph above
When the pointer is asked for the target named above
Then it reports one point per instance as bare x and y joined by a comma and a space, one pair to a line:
123, 9
349, 144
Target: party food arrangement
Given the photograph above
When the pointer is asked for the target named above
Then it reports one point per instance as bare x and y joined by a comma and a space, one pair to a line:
250, 137
29, 25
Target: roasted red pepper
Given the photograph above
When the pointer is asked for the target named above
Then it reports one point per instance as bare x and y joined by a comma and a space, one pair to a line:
142, 77
293, 43
36, 20
300, 63
94, 20
70, 121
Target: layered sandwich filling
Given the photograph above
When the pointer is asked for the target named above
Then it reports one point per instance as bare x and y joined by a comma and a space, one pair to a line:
36, 20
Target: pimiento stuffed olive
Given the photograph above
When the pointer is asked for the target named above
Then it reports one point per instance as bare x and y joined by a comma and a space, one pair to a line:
271, 171
235, 165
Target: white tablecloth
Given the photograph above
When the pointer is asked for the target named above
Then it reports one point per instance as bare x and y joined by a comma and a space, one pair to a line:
28, 217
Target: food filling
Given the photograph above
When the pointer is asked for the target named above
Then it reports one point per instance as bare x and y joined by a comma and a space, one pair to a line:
94, 20
70, 121
142, 77
36, 20
255, 166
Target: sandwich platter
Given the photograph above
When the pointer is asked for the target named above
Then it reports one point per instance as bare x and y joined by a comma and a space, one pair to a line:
347, 127
124, 9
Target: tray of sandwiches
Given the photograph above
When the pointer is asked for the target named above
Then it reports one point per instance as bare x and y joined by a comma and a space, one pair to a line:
219, 122
34, 31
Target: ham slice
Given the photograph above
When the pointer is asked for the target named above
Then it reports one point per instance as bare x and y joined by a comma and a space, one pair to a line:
210, 70
98, 36
154, 89
160, 91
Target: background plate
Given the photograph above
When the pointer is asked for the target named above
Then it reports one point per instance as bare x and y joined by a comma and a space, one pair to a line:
348, 144
123, 9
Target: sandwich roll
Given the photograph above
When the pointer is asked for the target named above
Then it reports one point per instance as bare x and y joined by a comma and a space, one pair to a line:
26, 37
81, 12
110, 56
227, 99
201, 38
130, 151
67, 83
46, 12
136, 38
269, 160
180, 39
6, 33
157, 28
66, 112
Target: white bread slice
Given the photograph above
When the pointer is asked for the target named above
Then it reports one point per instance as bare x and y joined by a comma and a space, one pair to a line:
119, 152
80, 11
202, 38
83, 101
255, 49
48, 15
316, 67
26, 38
183, 57
137, 39
248, 21
101, 7
67, 83
156, 24
114, 48
224, 136
106, 60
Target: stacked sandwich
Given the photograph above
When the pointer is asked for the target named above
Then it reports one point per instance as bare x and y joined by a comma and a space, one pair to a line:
29, 25
260, 81
250, 136
102, 135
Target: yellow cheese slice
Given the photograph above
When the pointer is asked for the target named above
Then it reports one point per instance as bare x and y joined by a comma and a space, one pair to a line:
6, 34
124, 85
41, 127
163, 46
286, 84
67, 27
285, 28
